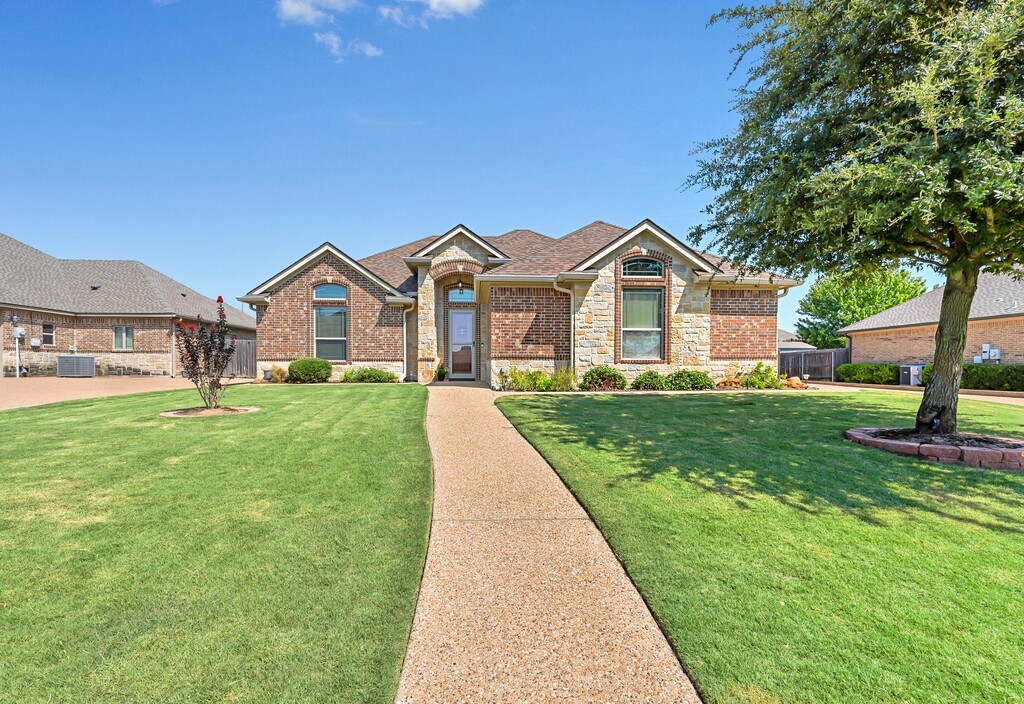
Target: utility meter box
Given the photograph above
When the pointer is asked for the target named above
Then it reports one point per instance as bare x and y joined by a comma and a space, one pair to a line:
19, 333
910, 375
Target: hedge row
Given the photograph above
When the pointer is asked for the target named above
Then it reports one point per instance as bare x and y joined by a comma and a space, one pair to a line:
987, 377
869, 373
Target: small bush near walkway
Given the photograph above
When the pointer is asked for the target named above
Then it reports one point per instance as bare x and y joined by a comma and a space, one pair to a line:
369, 375
869, 373
309, 371
987, 377
562, 379
603, 379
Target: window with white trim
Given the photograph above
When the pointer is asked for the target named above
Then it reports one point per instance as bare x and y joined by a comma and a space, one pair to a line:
330, 325
643, 266
124, 337
460, 295
330, 292
642, 323
48, 333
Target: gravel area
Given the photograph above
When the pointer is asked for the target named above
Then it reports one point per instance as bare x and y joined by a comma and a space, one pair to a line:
522, 599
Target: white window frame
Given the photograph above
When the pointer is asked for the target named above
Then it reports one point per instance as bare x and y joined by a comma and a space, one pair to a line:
330, 298
643, 276
52, 334
623, 329
120, 332
316, 338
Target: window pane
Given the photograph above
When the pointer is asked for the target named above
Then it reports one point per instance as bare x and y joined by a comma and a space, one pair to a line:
330, 322
643, 267
330, 291
333, 350
129, 338
48, 333
463, 296
641, 308
641, 344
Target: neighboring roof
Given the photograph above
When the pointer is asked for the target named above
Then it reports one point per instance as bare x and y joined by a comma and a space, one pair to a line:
30, 278
998, 296
789, 341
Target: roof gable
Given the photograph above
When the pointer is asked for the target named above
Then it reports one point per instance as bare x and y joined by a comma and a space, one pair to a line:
649, 227
464, 231
311, 259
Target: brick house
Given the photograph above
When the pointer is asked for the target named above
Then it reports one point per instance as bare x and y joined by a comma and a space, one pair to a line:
634, 299
905, 334
116, 311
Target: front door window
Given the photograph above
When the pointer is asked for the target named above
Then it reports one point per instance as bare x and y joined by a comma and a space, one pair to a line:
461, 339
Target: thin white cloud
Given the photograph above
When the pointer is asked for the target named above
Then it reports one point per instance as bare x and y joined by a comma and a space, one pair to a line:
405, 15
340, 49
312, 12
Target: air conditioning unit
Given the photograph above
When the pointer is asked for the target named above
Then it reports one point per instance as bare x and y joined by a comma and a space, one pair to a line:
76, 365
910, 374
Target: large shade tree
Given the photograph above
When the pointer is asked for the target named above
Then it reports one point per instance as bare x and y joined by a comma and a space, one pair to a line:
874, 134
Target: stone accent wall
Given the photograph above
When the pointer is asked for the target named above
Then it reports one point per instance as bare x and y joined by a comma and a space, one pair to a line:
916, 345
687, 319
653, 282
285, 326
744, 325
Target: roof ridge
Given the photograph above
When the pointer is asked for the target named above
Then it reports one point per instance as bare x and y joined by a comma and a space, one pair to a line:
581, 229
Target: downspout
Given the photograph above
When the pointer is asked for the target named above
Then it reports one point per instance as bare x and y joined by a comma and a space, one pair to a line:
572, 322
405, 343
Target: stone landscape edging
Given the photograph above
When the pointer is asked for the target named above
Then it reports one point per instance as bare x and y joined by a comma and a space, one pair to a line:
983, 457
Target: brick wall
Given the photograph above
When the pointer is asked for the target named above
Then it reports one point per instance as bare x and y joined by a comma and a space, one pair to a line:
916, 345
529, 324
284, 327
744, 324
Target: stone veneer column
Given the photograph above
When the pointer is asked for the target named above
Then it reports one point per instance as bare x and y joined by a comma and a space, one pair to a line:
426, 326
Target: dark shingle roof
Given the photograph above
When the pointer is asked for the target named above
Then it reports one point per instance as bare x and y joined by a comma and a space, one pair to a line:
33, 279
563, 254
998, 296
789, 341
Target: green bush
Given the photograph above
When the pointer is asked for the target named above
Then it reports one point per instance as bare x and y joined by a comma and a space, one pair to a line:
603, 379
309, 371
869, 373
762, 376
689, 380
369, 375
650, 381
533, 380
563, 379
987, 377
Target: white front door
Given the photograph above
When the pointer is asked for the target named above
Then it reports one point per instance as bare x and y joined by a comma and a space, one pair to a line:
462, 343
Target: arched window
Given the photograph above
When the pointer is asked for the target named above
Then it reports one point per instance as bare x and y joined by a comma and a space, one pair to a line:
643, 266
330, 292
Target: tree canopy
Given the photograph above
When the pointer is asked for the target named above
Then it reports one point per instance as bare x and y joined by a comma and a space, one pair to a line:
873, 134
838, 300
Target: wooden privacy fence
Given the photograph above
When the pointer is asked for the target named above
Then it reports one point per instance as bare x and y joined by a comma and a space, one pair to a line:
817, 365
243, 362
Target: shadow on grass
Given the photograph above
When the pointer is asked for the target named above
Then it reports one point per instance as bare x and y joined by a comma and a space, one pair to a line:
786, 447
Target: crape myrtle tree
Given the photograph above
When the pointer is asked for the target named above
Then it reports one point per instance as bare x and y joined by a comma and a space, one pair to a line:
874, 134
838, 300
204, 352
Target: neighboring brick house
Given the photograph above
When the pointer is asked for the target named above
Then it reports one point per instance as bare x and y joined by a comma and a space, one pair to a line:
905, 334
116, 311
633, 299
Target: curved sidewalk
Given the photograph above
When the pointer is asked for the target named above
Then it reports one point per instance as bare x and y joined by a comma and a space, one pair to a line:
522, 599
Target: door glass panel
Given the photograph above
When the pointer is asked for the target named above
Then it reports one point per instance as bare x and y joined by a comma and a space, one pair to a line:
461, 328
462, 359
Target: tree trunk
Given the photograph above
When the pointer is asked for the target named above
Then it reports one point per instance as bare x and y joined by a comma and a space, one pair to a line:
938, 407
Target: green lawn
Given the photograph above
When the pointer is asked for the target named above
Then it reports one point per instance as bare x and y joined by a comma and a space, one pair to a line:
788, 565
268, 557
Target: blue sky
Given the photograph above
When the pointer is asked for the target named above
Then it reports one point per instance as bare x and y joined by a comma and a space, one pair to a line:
219, 141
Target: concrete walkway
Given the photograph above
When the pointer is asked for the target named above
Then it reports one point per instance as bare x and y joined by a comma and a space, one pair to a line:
522, 599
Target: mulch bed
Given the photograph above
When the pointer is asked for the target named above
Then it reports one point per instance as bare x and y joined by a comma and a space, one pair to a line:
990, 452
201, 412
956, 440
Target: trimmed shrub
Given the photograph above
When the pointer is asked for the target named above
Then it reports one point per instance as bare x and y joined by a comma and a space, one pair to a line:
278, 375
650, 381
603, 379
689, 380
762, 376
309, 371
369, 375
987, 377
869, 373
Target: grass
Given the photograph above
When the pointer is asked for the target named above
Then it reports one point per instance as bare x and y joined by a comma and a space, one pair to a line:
788, 565
273, 556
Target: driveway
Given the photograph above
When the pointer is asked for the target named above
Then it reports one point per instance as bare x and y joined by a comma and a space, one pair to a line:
522, 599
36, 391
